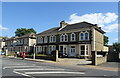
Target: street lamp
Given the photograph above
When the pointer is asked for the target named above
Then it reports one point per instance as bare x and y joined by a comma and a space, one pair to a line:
34, 45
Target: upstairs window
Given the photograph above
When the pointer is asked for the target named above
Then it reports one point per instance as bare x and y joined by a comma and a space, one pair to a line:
66, 37
40, 40
86, 36
52, 38
45, 39
62, 38
73, 37
81, 36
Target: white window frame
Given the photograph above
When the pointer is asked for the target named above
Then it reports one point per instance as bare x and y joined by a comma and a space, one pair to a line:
84, 50
50, 38
64, 37
62, 40
85, 36
80, 36
72, 37
41, 39
45, 39
53, 38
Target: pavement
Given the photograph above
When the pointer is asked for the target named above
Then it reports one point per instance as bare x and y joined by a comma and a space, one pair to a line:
16, 67
109, 66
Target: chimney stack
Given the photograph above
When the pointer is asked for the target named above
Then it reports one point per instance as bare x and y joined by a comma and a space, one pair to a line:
63, 24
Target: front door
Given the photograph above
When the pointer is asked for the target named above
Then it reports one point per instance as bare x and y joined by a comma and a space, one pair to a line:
72, 51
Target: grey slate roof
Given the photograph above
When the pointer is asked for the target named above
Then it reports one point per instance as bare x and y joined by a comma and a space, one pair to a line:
77, 26
27, 35
71, 27
52, 30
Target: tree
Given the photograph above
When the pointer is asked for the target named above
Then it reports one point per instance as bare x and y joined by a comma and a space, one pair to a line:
116, 47
23, 31
106, 40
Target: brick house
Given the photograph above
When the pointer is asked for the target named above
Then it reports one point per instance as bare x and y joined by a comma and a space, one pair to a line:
76, 40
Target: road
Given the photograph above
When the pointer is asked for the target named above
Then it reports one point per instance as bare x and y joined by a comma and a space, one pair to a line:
15, 68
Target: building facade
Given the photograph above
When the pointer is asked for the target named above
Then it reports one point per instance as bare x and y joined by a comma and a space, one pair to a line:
76, 40
20, 44
2, 42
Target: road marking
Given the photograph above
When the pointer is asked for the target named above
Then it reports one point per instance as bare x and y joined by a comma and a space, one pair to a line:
36, 69
23, 74
19, 66
56, 72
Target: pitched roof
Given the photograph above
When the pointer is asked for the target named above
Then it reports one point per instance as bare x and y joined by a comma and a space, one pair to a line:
78, 25
71, 27
28, 35
52, 30
24, 36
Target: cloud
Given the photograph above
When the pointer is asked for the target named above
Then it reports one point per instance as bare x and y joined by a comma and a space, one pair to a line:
110, 28
108, 21
3, 28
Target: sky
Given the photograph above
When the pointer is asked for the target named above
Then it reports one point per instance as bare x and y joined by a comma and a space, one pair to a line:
45, 15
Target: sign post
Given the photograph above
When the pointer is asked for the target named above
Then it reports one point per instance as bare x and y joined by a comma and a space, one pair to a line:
34, 51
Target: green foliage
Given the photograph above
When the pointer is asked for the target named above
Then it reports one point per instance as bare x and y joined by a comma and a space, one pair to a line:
23, 31
106, 40
116, 46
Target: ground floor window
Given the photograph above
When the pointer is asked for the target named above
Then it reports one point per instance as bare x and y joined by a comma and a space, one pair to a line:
52, 48
84, 50
63, 48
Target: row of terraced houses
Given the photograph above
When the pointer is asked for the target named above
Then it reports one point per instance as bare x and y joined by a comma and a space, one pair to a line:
76, 40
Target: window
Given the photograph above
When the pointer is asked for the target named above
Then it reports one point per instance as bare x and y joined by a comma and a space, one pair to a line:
73, 37
45, 39
87, 50
86, 35
66, 37
62, 38
25, 41
52, 38
50, 49
40, 40
84, 50
81, 36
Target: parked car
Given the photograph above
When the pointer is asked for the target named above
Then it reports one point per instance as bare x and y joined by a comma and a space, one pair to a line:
2, 53
60, 54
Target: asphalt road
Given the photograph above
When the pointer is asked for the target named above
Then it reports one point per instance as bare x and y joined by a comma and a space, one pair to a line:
16, 68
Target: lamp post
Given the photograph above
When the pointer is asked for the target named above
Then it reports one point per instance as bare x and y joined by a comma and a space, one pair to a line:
34, 45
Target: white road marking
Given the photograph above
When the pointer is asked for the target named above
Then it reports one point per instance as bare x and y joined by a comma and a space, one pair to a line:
23, 74
19, 66
56, 72
36, 69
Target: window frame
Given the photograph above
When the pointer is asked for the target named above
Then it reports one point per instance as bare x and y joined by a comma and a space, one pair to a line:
72, 36
87, 35
80, 36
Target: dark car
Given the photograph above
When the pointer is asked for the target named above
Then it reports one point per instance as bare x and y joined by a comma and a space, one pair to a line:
60, 54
